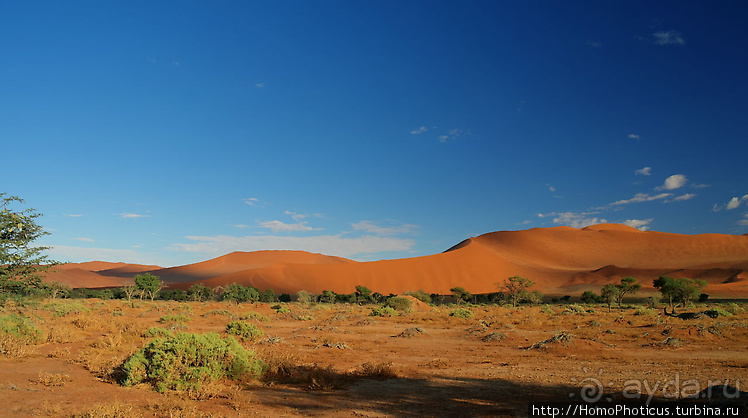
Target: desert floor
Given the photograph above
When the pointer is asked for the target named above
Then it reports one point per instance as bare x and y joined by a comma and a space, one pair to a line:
338, 360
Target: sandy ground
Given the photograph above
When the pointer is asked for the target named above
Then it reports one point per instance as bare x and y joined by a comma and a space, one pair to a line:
426, 363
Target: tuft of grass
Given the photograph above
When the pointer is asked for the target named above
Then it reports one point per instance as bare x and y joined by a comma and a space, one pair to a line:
280, 309
644, 311
255, 316
245, 330
52, 379
62, 308
494, 336
223, 312
410, 333
158, 332
174, 318
562, 337
381, 371
187, 362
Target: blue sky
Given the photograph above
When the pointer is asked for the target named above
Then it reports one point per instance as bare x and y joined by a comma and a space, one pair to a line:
173, 132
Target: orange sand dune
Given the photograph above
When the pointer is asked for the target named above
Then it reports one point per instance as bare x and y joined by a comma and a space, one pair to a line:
239, 261
77, 277
560, 260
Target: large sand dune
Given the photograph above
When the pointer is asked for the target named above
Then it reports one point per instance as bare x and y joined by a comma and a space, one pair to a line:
561, 260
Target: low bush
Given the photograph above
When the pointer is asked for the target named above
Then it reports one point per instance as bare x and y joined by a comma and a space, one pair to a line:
245, 330
158, 332
16, 334
461, 313
280, 309
188, 362
399, 304
383, 311
179, 318
255, 316
63, 308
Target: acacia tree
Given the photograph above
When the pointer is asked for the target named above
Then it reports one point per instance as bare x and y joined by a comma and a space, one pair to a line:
460, 294
516, 289
609, 294
148, 284
627, 285
20, 262
678, 291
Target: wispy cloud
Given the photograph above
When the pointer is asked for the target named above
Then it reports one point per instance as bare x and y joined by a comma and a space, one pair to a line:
132, 216
452, 135
550, 188
299, 216
646, 171
641, 197
241, 226
640, 224
79, 254
419, 130
84, 239
260, 85
278, 226
176, 63
744, 222
372, 228
324, 244
252, 201
574, 220
676, 181
71, 215
682, 197
669, 37
633, 136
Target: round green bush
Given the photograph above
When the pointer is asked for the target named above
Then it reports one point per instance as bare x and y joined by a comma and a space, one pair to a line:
383, 311
187, 361
399, 304
461, 313
245, 330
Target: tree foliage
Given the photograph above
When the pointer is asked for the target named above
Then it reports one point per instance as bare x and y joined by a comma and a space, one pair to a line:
627, 285
148, 285
516, 289
609, 295
679, 291
20, 261
460, 294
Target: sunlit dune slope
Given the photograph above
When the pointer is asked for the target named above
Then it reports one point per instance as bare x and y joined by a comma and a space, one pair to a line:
560, 260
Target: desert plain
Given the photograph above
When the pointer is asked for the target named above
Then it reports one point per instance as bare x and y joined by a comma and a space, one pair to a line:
444, 359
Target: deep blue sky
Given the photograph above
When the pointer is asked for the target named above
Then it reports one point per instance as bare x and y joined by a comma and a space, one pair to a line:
171, 132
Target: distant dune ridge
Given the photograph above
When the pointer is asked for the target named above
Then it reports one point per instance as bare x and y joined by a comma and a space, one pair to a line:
560, 260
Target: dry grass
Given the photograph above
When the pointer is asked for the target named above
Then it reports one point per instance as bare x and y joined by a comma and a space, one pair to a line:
52, 379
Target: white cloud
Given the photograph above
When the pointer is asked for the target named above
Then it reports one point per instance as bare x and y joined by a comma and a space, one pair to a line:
633, 136
260, 85
176, 63
676, 181
641, 197
683, 197
372, 228
735, 202
132, 216
84, 239
324, 244
551, 188
744, 222
419, 131
299, 216
640, 224
670, 37
241, 226
278, 226
576, 220
646, 171
252, 201
74, 215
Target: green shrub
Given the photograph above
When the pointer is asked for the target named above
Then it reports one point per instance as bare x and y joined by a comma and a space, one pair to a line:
734, 308
547, 310
281, 309
420, 295
19, 327
461, 313
187, 361
223, 312
245, 330
399, 304
643, 310
383, 311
